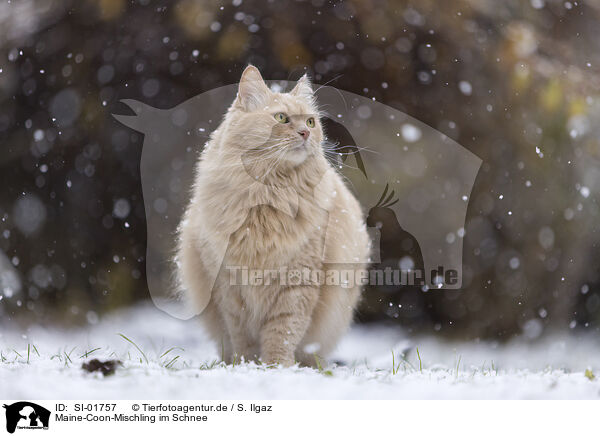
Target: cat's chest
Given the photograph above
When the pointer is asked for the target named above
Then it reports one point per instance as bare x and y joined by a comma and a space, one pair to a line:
270, 235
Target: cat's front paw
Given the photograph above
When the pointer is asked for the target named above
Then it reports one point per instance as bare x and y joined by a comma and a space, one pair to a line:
285, 361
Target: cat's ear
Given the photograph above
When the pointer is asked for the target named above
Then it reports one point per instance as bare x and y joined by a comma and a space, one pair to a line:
253, 92
303, 88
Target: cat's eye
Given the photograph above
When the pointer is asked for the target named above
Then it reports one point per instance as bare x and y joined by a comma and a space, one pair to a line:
282, 118
310, 122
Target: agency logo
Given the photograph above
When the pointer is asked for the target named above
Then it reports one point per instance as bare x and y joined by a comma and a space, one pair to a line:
26, 415
413, 182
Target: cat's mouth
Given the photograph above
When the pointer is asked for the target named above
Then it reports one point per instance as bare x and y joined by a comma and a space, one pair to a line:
298, 153
301, 145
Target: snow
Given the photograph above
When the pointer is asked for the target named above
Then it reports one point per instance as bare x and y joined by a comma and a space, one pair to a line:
551, 367
465, 87
410, 133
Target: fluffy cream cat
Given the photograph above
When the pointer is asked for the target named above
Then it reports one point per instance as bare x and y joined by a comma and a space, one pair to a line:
265, 198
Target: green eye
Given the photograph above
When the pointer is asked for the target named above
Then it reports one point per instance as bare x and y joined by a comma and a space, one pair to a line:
281, 118
310, 122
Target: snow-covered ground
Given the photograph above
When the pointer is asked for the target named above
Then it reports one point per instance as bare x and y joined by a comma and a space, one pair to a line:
550, 368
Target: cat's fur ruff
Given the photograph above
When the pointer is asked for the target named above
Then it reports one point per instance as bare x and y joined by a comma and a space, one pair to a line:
273, 202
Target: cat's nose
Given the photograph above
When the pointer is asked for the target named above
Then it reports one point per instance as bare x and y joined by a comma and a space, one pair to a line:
304, 133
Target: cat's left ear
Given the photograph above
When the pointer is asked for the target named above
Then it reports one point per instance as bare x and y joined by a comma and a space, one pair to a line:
253, 92
303, 88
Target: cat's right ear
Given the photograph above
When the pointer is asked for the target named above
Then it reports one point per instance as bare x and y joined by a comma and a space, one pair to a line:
253, 92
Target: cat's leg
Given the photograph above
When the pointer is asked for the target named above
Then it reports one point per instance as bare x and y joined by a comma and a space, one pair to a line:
288, 319
194, 281
331, 318
242, 343
214, 324
345, 256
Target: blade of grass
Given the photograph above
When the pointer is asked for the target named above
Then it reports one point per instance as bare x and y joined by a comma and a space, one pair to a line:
169, 350
69, 355
320, 367
87, 353
318, 362
135, 345
170, 364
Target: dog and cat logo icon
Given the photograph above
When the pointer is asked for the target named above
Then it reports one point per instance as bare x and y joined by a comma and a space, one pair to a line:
26, 415
413, 182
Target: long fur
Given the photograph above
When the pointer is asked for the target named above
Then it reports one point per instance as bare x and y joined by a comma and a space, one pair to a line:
263, 200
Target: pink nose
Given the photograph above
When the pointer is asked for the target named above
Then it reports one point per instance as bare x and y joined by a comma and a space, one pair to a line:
304, 133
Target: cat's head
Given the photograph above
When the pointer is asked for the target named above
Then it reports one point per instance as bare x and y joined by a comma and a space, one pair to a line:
274, 129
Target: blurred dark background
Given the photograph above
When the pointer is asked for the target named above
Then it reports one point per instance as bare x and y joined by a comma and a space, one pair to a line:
515, 82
